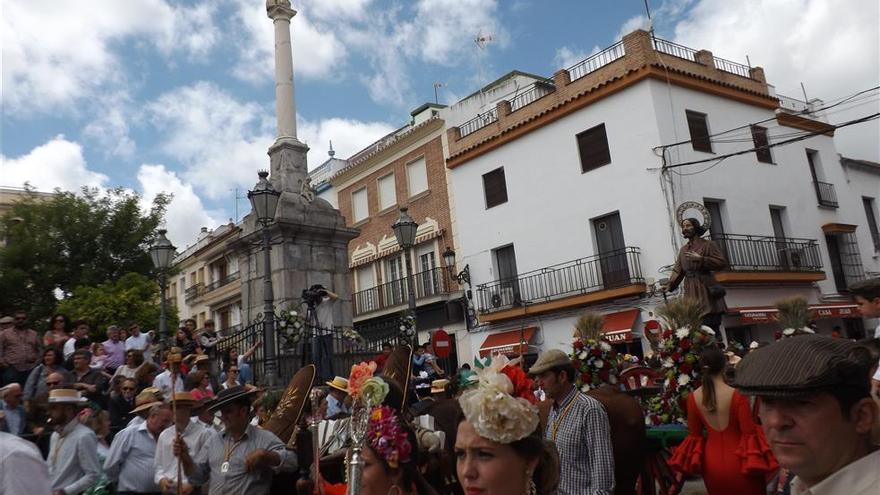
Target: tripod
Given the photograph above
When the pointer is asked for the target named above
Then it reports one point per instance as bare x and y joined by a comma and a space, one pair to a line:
319, 348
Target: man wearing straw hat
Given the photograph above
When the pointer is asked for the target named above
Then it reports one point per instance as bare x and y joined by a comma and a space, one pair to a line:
73, 448
148, 397
131, 460
170, 379
336, 407
243, 458
195, 436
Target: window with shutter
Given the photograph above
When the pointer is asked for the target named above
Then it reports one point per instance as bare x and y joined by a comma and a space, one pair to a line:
699, 130
387, 193
495, 187
359, 206
759, 138
593, 148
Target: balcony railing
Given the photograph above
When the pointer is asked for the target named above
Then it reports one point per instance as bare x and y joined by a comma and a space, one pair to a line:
530, 94
825, 194
597, 60
429, 283
232, 277
674, 49
478, 122
581, 276
768, 253
732, 67
193, 292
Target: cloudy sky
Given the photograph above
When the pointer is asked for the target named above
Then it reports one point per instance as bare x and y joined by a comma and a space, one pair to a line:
178, 96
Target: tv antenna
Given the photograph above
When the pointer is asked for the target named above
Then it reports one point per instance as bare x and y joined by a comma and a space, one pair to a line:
236, 197
437, 86
481, 40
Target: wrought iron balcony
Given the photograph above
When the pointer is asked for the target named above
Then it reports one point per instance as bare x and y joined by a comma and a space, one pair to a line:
581, 276
232, 277
193, 292
429, 283
825, 194
768, 253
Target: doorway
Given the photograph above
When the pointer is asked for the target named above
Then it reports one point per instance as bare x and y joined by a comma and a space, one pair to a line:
612, 250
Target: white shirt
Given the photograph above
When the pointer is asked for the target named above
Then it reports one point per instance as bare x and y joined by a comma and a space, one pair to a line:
877, 336
861, 477
22, 469
131, 460
69, 347
140, 342
163, 383
195, 437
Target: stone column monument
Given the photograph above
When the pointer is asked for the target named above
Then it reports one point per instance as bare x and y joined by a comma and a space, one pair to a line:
309, 237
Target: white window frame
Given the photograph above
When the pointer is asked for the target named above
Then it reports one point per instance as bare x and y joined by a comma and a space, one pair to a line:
354, 209
384, 204
409, 176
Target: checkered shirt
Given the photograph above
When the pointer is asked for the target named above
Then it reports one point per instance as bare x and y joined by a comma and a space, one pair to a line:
583, 440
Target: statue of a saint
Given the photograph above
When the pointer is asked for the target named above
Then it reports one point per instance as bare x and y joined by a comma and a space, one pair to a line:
696, 261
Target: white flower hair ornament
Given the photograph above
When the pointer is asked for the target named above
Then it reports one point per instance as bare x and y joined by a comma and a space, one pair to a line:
501, 408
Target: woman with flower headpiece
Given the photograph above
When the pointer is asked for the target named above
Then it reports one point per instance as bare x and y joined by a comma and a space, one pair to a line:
499, 447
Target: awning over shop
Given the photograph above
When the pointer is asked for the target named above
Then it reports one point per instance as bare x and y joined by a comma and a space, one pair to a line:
617, 328
768, 314
511, 342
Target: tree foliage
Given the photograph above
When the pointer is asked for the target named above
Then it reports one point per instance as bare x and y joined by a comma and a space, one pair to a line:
70, 241
134, 297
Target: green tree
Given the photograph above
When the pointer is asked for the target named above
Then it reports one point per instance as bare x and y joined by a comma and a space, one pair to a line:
134, 297
73, 240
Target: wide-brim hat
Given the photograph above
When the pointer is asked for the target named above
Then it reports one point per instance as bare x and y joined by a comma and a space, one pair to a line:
66, 396
6, 320
548, 360
398, 369
185, 399
231, 395
339, 383
286, 416
146, 399
201, 358
439, 386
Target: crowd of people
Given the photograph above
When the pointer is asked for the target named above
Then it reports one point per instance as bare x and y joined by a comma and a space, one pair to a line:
802, 411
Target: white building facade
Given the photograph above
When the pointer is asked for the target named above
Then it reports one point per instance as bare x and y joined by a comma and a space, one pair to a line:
565, 199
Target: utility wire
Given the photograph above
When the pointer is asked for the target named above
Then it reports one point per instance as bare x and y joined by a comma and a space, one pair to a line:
780, 143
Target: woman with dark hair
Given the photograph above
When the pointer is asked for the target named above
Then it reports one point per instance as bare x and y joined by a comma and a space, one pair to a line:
58, 333
53, 362
185, 342
499, 446
723, 444
133, 360
199, 383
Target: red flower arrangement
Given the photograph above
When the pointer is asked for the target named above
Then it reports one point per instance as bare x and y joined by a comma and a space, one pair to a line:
522, 384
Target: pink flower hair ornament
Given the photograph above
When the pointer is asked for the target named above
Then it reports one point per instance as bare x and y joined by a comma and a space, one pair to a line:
387, 438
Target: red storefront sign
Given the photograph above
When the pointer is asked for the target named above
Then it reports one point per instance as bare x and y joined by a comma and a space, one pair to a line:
767, 315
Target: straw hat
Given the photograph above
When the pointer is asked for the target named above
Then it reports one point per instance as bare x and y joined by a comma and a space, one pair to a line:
439, 386
66, 396
231, 395
339, 383
201, 358
185, 399
146, 399
6, 320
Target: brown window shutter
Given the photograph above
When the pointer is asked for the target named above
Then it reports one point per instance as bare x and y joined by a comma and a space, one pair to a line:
759, 137
495, 187
593, 148
699, 130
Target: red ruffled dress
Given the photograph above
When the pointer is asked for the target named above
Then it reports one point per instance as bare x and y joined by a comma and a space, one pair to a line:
734, 461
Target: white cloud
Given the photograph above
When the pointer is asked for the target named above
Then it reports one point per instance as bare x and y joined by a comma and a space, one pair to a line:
349, 136
317, 52
53, 57
109, 129
186, 214
445, 29
567, 56
630, 25
221, 142
57, 163
335, 10
833, 49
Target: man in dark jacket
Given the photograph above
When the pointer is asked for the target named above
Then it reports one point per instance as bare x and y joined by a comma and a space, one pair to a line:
121, 405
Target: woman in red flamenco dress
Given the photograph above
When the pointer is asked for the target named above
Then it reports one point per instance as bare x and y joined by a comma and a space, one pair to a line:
732, 455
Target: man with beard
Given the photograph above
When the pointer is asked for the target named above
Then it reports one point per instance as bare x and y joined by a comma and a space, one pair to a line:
696, 261
73, 448
20, 351
816, 412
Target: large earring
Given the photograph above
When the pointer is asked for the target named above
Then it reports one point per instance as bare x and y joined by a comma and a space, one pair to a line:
531, 489
395, 490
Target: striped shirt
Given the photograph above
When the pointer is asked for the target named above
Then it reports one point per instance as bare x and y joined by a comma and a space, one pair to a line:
73, 458
131, 460
578, 424
21, 349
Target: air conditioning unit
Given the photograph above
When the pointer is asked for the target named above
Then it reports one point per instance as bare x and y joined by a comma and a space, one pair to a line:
792, 257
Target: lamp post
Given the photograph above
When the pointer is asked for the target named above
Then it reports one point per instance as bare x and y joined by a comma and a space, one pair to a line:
264, 201
462, 277
405, 232
162, 253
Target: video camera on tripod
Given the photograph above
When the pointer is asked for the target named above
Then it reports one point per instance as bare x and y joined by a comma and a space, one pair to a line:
314, 295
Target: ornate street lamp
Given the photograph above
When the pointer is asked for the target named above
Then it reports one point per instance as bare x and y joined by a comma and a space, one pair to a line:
162, 253
405, 232
264, 201
462, 277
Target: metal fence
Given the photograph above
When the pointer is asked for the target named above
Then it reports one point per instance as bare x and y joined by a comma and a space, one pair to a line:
768, 253
232, 277
597, 60
674, 49
733, 67
581, 276
531, 94
428, 283
478, 122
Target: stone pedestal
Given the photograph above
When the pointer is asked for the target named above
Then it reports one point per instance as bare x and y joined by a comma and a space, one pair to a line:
309, 242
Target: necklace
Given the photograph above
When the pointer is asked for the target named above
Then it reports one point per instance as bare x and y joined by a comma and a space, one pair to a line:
554, 429
227, 454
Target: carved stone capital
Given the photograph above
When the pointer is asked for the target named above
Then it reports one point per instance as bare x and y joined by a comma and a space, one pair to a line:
279, 9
